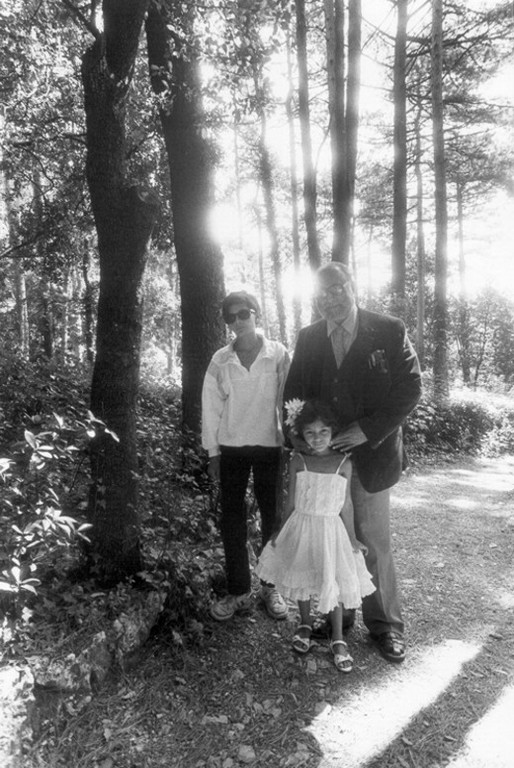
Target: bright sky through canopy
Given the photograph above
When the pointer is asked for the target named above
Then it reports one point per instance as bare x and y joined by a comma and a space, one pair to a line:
488, 230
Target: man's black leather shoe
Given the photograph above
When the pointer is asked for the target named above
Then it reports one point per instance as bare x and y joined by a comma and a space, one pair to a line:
391, 645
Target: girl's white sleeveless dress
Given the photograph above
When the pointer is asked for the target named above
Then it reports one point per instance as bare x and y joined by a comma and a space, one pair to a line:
313, 556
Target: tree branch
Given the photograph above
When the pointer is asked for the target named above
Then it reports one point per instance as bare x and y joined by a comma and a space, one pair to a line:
78, 16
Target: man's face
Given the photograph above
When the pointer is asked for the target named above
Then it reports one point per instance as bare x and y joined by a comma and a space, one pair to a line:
334, 295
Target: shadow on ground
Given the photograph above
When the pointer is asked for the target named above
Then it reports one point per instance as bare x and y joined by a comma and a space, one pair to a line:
243, 698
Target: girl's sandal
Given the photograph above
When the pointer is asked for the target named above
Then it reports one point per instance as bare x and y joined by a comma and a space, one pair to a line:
343, 661
302, 644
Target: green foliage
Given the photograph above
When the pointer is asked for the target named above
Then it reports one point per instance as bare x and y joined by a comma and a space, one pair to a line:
35, 532
178, 507
44, 435
469, 422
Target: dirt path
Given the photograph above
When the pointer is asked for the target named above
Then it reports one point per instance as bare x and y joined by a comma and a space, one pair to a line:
243, 698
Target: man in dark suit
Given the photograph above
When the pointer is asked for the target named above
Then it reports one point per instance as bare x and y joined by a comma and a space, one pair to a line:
363, 364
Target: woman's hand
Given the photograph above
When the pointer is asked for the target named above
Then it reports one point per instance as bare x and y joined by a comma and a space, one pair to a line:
213, 468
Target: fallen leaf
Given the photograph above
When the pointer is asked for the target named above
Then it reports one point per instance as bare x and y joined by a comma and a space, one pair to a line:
246, 753
322, 707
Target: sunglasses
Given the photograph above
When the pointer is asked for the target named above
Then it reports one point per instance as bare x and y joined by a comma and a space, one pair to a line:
243, 314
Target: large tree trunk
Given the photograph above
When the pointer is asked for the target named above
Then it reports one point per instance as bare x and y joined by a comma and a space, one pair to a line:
237, 174
351, 122
463, 327
309, 171
420, 248
266, 178
87, 304
20, 288
124, 219
65, 312
344, 117
295, 219
399, 162
22, 311
440, 368
46, 308
335, 34
174, 71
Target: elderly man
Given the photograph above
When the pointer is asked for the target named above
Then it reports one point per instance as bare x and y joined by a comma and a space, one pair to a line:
363, 364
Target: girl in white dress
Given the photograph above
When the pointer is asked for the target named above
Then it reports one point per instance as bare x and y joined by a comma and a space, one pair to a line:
316, 552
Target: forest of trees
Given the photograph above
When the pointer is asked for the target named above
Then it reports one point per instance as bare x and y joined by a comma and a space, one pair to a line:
155, 154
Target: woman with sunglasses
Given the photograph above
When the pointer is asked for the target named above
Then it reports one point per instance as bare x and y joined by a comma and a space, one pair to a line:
241, 430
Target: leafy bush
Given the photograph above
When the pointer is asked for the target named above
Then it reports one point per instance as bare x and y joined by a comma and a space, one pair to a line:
468, 422
36, 534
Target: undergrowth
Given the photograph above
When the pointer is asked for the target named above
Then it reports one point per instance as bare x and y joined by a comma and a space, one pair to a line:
46, 596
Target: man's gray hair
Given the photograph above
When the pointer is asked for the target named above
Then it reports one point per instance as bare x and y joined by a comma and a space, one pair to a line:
335, 268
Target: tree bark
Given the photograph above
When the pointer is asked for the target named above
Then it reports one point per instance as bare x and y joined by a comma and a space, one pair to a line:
124, 219
87, 304
266, 177
295, 219
20, 288
420, 248
344, 117
399, 162
22, 312
463, 330
440, 367
174, 72
309, 171
65, 312
46, 307
335, 35
351, 123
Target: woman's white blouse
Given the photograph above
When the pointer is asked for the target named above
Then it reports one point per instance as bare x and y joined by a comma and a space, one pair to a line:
241, 407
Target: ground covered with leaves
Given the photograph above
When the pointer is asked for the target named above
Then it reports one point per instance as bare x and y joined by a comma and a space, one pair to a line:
229, 695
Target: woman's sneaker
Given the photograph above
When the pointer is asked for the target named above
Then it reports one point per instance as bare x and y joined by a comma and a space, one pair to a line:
224, 609
274, 602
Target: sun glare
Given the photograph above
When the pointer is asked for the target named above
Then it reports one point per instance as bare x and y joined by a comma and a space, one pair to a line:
490, 742
297, 283
224, 223
361, 726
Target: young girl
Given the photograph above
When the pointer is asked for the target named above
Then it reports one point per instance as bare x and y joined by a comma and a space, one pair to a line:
316, 552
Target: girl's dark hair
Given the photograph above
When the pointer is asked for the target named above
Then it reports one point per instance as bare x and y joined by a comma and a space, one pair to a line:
313, 410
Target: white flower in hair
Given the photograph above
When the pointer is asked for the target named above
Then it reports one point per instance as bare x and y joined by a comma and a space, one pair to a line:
293, 409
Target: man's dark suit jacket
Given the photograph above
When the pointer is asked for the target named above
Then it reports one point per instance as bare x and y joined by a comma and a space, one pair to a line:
378, 384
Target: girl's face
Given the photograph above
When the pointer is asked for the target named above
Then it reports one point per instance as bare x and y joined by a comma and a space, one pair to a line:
318, 435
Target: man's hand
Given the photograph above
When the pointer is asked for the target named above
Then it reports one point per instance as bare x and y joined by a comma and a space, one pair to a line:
358, 546
213, 468
349, 438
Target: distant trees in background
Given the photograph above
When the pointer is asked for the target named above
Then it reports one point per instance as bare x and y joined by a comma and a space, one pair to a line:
246, 107
154, 155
